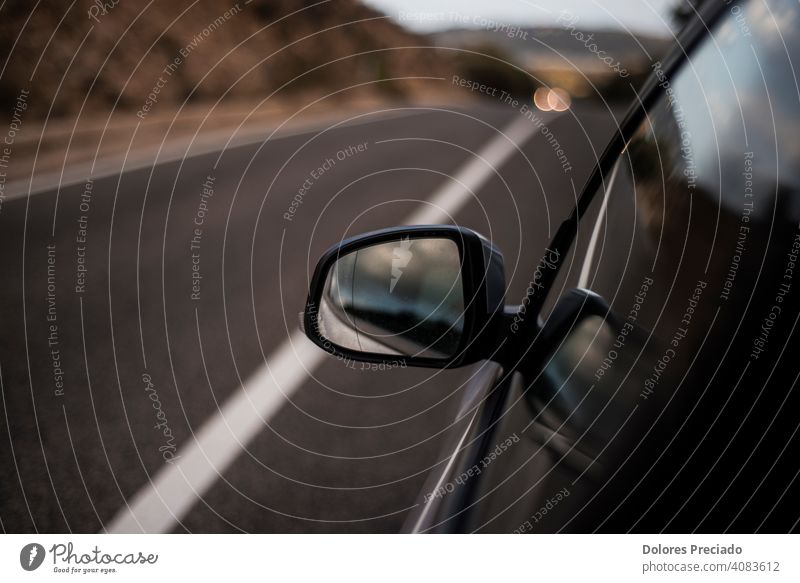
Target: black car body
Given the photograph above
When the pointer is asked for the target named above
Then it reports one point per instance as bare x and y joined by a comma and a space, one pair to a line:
656, 390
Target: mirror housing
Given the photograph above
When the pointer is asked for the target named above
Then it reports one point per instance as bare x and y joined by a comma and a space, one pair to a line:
429, 296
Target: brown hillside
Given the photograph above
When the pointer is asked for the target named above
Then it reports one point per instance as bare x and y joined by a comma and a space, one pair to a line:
214, 46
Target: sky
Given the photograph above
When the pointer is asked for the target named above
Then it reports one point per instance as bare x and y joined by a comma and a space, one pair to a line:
642, 16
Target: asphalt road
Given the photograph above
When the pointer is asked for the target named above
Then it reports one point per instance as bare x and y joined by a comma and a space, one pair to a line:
113, 352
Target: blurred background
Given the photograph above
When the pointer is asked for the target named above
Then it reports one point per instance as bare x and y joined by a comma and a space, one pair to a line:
169, 173
92, 67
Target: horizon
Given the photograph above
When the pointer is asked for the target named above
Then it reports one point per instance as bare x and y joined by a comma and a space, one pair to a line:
644, 17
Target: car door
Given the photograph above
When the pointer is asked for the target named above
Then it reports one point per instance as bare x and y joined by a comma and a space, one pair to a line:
659, 392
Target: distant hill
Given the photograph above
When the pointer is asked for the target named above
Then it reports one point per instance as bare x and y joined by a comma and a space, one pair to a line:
123, 52
539, 48
560, 57
143, 58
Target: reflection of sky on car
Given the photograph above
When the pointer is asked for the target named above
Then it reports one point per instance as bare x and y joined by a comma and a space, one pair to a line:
746, 75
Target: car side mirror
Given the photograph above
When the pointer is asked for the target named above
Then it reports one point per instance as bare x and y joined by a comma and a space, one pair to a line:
418, 296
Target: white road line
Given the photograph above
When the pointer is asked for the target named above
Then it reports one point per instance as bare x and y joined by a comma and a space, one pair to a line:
455, 193
177, 486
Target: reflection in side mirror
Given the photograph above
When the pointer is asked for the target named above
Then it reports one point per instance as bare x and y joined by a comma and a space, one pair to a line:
402, 298
429, 296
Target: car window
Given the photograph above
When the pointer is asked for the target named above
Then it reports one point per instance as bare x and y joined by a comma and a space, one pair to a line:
695, 251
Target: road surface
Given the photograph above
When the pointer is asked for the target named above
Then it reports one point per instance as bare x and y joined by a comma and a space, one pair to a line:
152, 374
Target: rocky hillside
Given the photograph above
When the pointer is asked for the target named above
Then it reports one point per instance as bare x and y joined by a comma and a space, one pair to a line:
145, 58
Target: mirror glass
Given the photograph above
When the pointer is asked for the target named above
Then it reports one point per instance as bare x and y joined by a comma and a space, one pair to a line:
401, 298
